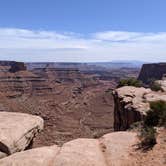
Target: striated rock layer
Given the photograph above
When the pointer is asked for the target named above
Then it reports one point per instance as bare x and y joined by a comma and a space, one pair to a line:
151, 72
72, 104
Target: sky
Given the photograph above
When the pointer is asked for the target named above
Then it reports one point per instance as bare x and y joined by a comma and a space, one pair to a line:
83, 30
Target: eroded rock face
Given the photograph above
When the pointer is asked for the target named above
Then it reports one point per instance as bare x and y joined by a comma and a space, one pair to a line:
131, 105
111, 149
17, 66
151, 72
17, 130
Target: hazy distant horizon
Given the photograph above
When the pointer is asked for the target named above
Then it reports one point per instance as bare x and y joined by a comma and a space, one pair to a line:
114, 61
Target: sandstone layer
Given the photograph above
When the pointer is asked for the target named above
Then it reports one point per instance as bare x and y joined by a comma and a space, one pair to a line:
110, 150
131, 105
151, 72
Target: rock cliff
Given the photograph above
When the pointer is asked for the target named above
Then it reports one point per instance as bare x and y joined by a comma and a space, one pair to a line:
151, 72
131, 105
17, 66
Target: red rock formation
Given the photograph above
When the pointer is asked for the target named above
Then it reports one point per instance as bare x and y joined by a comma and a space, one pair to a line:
17, 66
151, 72
131, 105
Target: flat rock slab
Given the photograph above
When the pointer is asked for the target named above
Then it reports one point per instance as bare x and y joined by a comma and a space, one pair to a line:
117, 148
111, 150
80, 152
17, 131
36, 157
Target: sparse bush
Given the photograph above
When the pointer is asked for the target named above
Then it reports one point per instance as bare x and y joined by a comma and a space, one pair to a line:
156, 86
159, 109
148, 137
156, 116
136, 126
129, 82
152, 118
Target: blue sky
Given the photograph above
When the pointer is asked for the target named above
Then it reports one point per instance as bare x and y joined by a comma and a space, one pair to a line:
82, 30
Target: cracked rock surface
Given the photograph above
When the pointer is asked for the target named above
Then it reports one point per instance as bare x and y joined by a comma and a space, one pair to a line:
17, 130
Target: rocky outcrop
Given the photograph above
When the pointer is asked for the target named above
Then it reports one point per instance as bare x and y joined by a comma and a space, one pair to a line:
23, 83
17, 66
131, 105
17, 131
111, 149
59, 74
151, 72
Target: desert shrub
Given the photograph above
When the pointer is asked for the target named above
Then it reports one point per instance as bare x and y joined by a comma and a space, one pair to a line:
148, 137
156, 116
152, 118
136, 126
129, 82
155, 86
159, 110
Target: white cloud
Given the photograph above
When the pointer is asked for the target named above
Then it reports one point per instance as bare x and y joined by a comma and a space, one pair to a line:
30, 45
117, 36
122, 36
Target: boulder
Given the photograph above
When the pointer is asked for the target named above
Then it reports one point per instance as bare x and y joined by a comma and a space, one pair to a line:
2, 155
35, 157
17, 131
80, 152
111, 149
117, 148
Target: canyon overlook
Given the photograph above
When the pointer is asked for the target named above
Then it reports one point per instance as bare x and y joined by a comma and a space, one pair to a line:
79, 115
72, 104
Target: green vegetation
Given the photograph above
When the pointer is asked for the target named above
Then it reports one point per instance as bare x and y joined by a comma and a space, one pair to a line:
155, 86
159, 110
148, 137
156, 116
129, 82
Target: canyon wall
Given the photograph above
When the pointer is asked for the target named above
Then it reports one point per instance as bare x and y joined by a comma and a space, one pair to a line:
72, 104
151, 72
132, 104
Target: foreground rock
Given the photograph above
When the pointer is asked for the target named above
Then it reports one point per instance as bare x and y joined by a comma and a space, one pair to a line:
111, 149
131, 105
81, 152
36, 157
17, 131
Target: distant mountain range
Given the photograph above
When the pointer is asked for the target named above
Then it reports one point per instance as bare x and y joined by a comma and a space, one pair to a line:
88, 65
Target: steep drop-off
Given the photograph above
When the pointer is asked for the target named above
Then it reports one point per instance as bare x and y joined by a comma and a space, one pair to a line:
72, 104
151, 72
132, 104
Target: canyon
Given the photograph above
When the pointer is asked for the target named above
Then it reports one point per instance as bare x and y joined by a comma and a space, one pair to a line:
75, 100
68, 116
